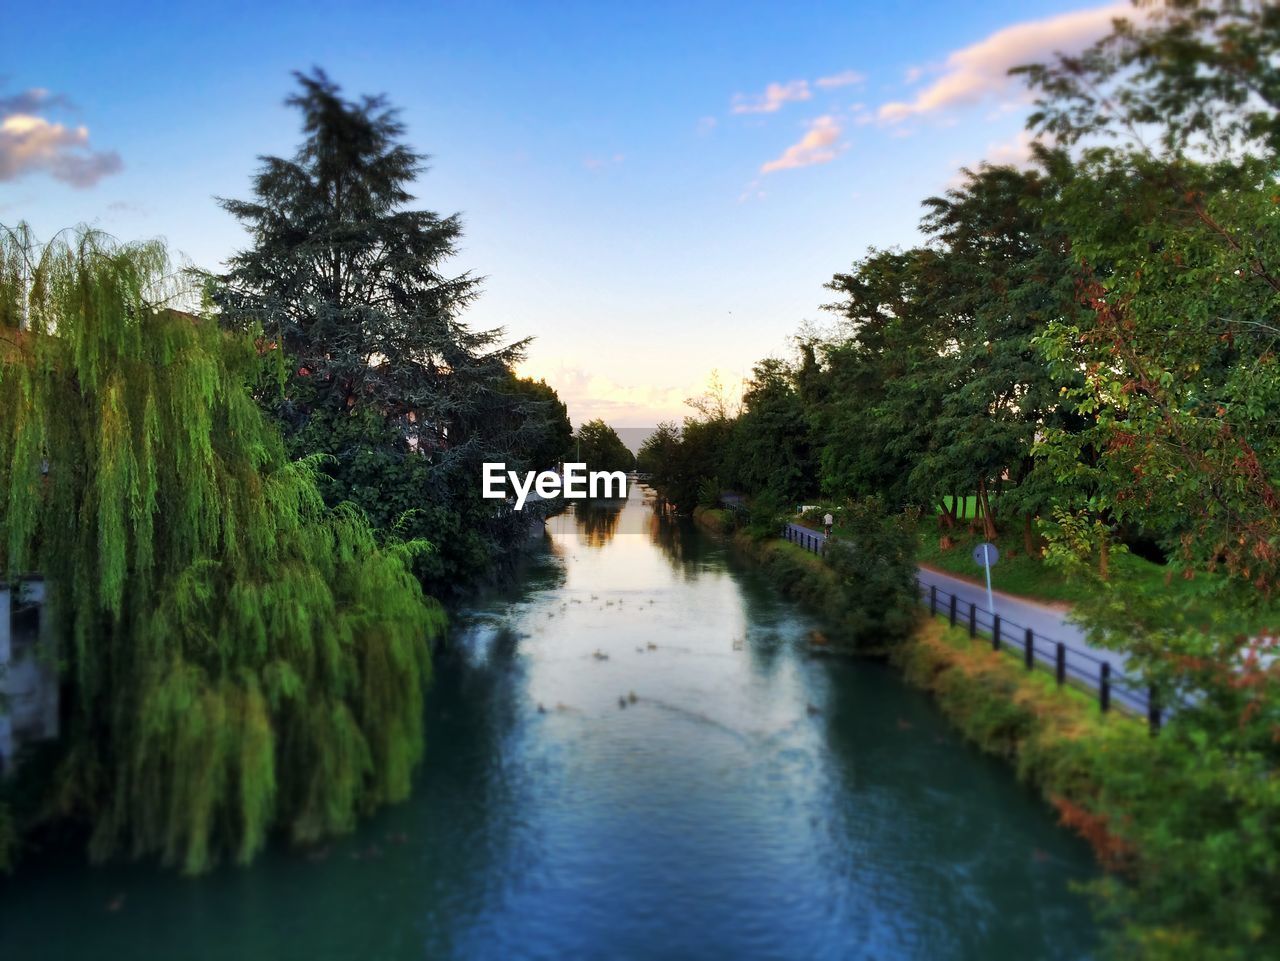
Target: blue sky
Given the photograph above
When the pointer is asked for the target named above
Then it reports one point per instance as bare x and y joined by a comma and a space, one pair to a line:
639, 197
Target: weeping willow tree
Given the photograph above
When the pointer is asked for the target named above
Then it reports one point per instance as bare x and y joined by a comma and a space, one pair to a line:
238, 658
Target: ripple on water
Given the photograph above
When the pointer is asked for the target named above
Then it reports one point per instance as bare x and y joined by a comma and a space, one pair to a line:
752, 802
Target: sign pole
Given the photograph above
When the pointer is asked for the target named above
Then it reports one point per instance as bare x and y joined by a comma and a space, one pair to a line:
986, 558
986, 555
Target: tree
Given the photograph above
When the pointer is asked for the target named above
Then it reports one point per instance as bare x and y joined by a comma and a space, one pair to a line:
769, 448
372, 364
658, 452
547, 434
1203, 75
887, 380
1002, 275
937, 388
598, 445
239, 658
1174, 220
1182, 282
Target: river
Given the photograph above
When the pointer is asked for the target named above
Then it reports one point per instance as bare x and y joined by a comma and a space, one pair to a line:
634, 754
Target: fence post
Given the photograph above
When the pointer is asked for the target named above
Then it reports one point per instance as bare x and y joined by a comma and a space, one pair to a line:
953, 610
1153, 711
1029, 653
1061, 667
995, 632
973, 621
1104, 687
933, 600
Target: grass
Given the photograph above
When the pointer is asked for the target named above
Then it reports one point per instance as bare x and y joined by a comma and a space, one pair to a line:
936, 648
968, 506
1056, 738
1016, 572
1190, 868
1028, 576
717, 519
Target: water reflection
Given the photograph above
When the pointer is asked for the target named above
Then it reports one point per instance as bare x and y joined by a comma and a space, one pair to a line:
633, 755
683, 550
597, 520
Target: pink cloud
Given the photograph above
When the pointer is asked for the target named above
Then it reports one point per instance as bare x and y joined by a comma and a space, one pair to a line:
817, 146
774, 96
30, 143
843, 79
981, 70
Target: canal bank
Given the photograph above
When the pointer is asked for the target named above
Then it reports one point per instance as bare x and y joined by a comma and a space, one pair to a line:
1050, 735
1172, 818
632, 754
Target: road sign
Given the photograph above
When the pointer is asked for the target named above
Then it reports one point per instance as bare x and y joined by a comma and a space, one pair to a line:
986, 555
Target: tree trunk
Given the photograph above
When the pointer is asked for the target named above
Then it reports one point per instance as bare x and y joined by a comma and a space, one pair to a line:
1104, 555
988, 523
1028, 535
945, 518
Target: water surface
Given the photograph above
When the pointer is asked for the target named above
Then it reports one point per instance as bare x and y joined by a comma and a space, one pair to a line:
634, 754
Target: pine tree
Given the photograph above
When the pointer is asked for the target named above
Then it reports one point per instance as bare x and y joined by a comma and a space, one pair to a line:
376, 367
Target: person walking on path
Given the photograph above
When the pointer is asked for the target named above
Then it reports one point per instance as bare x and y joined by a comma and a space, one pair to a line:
827, 522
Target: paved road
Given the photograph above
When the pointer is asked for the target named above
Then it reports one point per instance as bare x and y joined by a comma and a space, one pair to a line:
1050, 624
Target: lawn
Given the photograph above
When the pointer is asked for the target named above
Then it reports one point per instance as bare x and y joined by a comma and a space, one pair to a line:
1017, 573
966, 506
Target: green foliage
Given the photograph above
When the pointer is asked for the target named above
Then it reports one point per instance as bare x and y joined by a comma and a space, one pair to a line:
371, 363
548, 436
770, 448
658, 450
1200, 820
239, 659
709, 492
686, 464
598, 445
876, 569
938, 387
1203, 73
766, 515
1186, 831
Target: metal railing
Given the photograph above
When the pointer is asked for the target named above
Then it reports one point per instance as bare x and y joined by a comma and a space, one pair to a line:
809, 540
1067, 664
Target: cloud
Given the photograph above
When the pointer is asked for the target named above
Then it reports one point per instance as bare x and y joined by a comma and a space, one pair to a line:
774, 96
842, 79
1012, 153
29, 101
706, 125
817, 146
30, 143
589, 394
981, 70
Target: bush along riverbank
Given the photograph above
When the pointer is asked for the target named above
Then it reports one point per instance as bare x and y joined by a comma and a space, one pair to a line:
1187, 830
864, 592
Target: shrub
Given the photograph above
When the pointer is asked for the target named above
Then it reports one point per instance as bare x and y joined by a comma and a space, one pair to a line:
875, 567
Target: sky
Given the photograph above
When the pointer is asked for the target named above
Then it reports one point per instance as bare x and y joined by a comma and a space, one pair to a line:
653, 192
